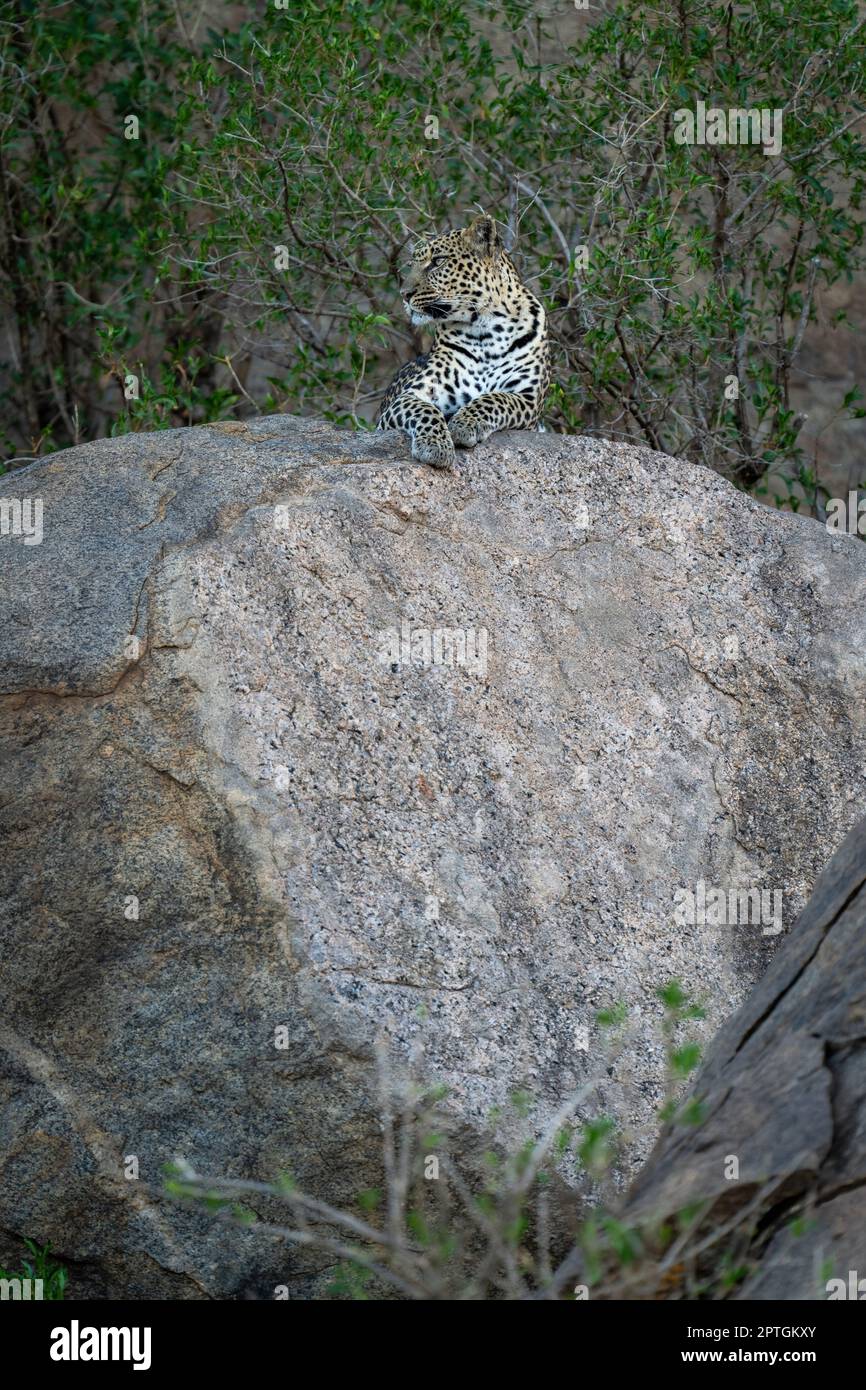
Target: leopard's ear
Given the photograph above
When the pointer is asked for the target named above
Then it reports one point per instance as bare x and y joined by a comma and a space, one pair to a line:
483, 238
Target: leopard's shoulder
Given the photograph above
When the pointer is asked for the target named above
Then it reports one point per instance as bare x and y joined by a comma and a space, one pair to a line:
409, 372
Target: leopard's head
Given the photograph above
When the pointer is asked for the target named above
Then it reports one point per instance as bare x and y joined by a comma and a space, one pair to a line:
455, 278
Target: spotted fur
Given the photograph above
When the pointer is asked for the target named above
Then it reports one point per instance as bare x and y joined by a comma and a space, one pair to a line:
489, 366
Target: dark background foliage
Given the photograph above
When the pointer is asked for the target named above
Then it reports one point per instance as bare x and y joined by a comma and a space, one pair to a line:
239, 250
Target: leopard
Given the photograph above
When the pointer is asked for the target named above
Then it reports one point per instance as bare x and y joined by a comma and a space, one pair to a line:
488, 368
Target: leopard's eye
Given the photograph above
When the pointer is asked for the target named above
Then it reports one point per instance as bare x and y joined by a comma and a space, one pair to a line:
437, 261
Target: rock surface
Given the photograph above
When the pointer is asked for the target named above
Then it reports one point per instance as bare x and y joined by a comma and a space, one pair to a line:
784, 1092
230, 806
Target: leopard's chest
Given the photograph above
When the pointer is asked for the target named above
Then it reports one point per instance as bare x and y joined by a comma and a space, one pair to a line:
455, 384
453, 378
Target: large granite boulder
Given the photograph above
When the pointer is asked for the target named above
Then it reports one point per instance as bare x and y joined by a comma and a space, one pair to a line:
778, 1161
303, 743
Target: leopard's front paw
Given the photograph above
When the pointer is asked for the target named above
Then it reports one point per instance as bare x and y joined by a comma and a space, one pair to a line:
467, 429
437, 450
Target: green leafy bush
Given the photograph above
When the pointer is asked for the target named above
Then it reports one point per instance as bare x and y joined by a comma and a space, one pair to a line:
243, 253
43, 1267
499, 1223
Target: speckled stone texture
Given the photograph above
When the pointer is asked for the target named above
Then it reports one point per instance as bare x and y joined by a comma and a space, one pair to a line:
783, 1090
663, 683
